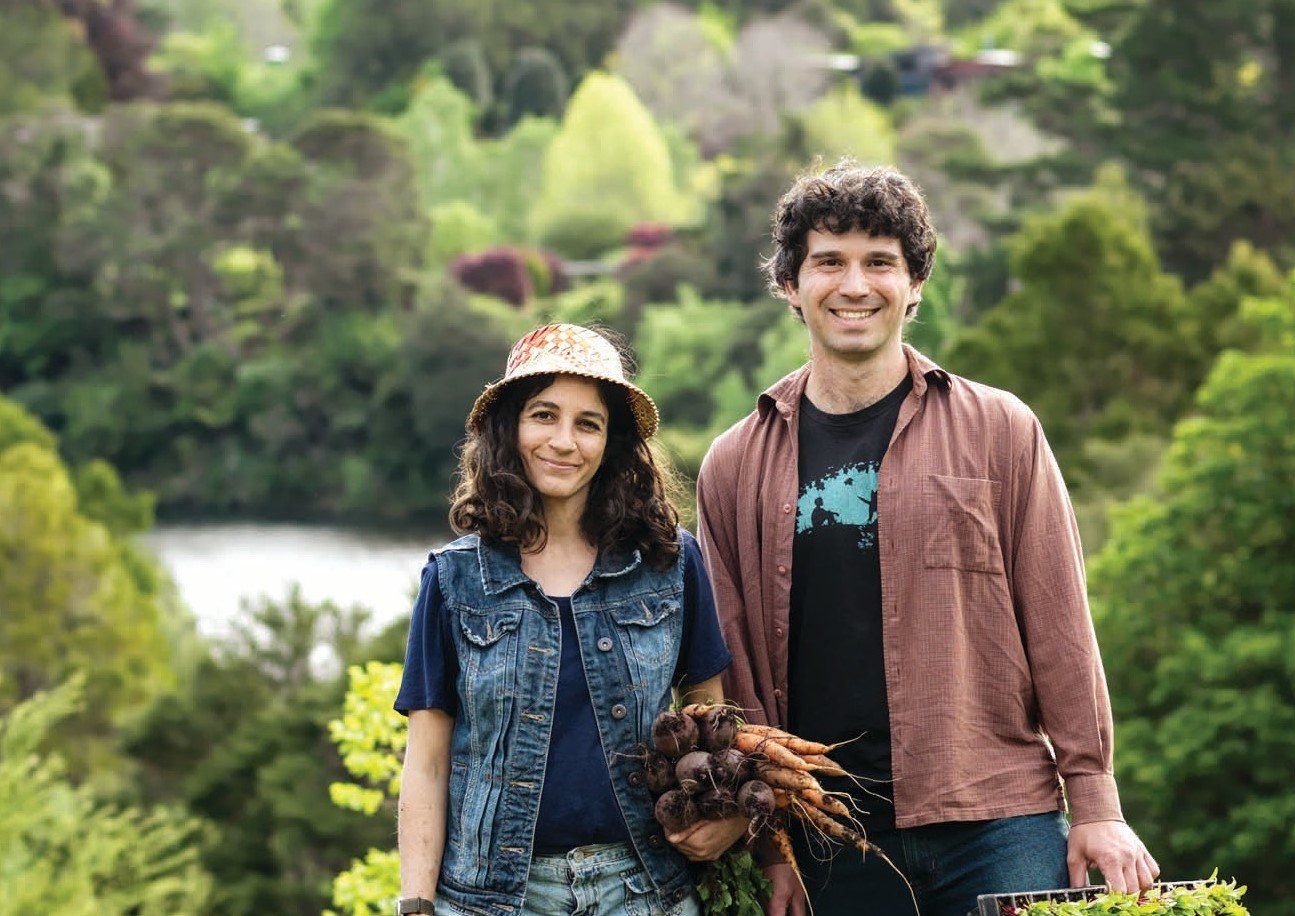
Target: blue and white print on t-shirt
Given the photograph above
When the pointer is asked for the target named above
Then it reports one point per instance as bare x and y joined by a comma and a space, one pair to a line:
846, 496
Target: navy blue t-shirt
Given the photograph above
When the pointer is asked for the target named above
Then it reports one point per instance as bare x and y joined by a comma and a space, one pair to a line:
577, 804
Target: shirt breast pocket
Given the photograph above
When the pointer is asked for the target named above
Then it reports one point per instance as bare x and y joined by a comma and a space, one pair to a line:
960, 518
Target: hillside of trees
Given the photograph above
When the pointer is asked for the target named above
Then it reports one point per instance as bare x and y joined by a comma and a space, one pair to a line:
258, 256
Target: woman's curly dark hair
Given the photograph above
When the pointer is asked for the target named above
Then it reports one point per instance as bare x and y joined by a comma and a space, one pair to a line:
848, 197
630, 503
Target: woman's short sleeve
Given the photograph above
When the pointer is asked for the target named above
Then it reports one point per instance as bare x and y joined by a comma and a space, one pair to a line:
703, 653
431, 661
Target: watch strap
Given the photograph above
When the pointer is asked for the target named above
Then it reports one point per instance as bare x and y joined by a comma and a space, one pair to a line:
418, 905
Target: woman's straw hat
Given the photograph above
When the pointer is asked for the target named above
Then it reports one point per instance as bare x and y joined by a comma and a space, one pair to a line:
571, 350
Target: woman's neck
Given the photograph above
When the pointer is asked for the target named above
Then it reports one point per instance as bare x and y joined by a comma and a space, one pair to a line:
567, 556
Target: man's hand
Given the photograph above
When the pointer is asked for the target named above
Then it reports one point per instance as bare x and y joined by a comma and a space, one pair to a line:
706, 841
1115, 850
788, 898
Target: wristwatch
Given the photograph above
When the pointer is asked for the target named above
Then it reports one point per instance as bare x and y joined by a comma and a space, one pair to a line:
414, 905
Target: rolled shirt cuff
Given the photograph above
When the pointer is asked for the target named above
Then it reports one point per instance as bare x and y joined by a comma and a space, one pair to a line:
1093, 797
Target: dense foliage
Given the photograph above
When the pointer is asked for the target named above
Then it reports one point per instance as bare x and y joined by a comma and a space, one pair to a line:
257, 257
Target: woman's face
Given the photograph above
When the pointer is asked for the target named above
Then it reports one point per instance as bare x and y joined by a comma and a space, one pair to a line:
562, 435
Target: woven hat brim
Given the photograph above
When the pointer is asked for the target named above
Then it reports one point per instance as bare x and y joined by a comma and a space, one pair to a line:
646, 416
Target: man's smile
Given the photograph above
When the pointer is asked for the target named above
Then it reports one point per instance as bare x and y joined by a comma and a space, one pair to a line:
855, 314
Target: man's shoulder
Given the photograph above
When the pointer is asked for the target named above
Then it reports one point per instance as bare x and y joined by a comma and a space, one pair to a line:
727, 451
992, 408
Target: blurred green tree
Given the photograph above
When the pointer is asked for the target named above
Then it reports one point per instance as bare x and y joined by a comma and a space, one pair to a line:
243, 744
536, 85
65, 850
1092, 338
78, 596
1193, 601
465, 65
607, 169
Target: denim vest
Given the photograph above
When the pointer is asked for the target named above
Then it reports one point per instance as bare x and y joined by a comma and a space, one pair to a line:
629, 620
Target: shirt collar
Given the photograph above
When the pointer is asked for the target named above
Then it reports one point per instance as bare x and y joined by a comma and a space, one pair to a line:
784, 395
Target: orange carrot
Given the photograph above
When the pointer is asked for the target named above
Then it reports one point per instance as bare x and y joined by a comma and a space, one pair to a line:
821, 763
790, 742
832, 829
783, 778
751, 744
824, 802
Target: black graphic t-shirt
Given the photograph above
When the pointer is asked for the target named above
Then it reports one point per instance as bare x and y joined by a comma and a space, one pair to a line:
837, 688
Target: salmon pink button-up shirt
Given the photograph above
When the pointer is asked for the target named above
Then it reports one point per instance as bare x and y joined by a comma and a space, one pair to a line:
988, 641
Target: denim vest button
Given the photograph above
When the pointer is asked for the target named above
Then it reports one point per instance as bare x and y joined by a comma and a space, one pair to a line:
605, 644
636, 778
654, 841
619, 711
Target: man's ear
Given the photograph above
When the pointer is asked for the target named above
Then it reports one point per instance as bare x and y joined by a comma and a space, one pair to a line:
915, 291
792, 292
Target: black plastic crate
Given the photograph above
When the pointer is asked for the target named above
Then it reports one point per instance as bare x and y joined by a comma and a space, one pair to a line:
991, 904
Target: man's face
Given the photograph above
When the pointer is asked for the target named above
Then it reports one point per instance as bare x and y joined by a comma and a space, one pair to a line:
853, 290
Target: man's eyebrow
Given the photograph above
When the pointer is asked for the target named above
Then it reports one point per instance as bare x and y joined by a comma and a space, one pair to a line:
882, 253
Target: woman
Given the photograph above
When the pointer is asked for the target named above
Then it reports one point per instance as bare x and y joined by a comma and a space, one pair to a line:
543, 644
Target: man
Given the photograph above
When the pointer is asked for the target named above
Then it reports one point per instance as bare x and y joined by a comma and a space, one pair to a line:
897, 565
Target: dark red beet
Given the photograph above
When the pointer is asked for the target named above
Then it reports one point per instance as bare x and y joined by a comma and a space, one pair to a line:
674, 734
694, 772
755, 800
675, 810
717, 729
714, 804
659, 770
731, 768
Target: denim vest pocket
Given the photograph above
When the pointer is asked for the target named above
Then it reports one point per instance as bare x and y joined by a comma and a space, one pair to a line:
960, 514
640, 620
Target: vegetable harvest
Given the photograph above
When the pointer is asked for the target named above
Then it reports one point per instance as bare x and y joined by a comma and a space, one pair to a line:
707, 764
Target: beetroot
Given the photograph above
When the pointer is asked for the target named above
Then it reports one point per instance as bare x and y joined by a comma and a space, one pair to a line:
694, 772
731, 768
674, 734
659, 770
755, 800
717, 729
717, 803
675, 810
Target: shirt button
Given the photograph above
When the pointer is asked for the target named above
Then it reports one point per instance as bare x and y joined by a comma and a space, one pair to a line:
605, 644
619, 711
786, 507
782, 570
777, 631
777, 692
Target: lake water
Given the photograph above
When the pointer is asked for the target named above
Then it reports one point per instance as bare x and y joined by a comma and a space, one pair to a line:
216, 565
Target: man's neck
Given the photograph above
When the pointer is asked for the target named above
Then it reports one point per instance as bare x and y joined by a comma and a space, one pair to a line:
839, 386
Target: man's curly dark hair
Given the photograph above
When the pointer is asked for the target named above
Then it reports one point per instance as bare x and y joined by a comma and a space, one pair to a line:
878, 201
631, 498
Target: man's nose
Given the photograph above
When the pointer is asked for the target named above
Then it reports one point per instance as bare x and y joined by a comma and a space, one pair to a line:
854, 282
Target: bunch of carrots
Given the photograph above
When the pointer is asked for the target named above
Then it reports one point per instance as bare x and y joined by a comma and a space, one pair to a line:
707, 764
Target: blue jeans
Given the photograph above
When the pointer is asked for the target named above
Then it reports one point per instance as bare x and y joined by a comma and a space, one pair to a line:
948, 865
601, 880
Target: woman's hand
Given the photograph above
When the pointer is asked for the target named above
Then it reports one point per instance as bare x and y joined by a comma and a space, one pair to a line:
706, 841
